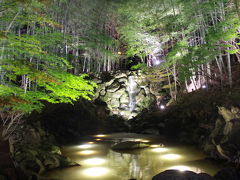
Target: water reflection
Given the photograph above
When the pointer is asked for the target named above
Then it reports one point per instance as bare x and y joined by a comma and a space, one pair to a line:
100, 162
183, 168
95, 172
90, 142
85, 146
100, 135
159, 150
170, 157
86, 152
94, 161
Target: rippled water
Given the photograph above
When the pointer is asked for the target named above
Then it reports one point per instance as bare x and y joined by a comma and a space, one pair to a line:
99, 162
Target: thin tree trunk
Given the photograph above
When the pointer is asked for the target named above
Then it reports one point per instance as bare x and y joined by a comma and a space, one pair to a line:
229, 69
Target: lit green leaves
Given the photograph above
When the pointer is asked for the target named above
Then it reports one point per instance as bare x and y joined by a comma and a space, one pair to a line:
67, 87
232, 51
26, 44
13, 98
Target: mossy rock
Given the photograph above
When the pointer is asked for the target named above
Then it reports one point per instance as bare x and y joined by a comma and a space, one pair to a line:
67, 162
129, 145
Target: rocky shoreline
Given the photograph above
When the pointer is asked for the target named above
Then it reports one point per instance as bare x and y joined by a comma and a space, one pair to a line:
34, 151
209, 119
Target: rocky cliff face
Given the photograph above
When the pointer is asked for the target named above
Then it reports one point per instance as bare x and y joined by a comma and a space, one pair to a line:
35, 151
226, 133
128, 94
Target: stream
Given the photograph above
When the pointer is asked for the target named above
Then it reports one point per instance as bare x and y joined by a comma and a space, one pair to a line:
99, 162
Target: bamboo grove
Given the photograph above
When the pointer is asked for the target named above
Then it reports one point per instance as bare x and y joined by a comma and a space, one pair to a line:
198, 38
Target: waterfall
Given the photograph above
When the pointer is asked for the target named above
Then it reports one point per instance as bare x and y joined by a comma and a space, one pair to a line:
132, 91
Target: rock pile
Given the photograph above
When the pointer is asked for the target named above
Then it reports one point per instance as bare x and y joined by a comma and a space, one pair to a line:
35, 151
127, 94
226, 134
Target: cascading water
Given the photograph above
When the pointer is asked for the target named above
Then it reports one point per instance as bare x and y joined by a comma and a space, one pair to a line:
132, 91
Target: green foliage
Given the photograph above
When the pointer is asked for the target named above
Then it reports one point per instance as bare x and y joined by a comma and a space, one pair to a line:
190, 36
13, 98
140, 66
33, 71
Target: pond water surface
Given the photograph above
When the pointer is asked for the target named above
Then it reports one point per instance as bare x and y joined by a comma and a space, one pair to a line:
99, 162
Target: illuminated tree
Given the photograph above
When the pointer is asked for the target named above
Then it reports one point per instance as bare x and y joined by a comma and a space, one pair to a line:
32, 70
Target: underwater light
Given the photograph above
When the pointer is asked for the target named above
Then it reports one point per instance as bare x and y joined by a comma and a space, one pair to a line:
138, 140
101, 135
85, 146
171, 156
90, 142
94, 161
96, 171
156, 145
181, 168
145, 141
160, 149
87, 152
98, 139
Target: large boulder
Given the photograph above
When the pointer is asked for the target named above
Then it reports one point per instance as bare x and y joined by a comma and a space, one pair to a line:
35, 151
226, 134
129, 145
126, 94
179, 175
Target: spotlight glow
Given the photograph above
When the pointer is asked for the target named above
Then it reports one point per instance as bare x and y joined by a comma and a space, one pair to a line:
145, 141
87, 152
155, 145
162, 107
204, 86
101, 135
157, 62
138, 140
90, 142
96, 171
171, 156
160, 149
98, 139
85, 146
181, 168
94, 161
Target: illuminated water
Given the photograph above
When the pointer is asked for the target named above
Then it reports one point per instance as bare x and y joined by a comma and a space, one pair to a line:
132, 91
99, 162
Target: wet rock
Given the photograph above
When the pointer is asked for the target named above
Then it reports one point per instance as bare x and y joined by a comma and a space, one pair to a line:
116, 94
123, 80
226, 134
120, 76
179, 175
129, 145
35, 156
227, 114
102, 92
113, 87
124, 99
